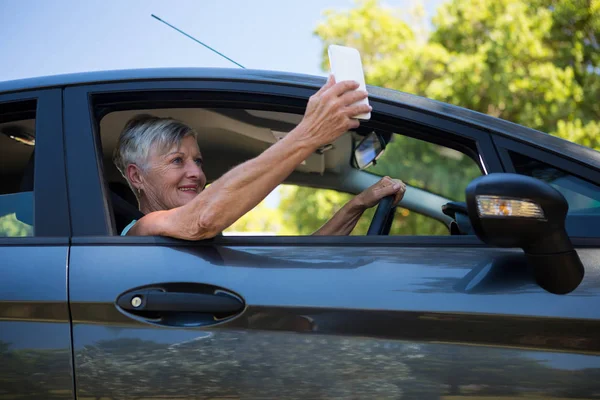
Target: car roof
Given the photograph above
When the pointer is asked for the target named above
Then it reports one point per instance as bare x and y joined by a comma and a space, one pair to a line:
505, 128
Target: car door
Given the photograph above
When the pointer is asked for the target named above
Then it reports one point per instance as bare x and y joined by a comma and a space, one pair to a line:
35, 334
308, 317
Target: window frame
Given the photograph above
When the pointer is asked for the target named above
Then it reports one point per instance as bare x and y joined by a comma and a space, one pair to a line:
504, 145
82, 112
51, 211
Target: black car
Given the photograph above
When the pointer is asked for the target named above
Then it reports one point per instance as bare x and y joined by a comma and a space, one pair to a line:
500, 300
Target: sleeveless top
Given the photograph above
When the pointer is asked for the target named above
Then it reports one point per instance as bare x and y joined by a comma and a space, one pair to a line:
128, 227
132, 223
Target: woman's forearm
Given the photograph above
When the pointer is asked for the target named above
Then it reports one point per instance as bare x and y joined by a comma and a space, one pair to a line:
343, 221
329, 113
241, 189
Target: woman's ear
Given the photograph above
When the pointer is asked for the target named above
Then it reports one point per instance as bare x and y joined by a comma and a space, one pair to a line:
134, 175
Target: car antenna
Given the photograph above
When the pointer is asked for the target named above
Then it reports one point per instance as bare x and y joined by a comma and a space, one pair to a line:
197, 41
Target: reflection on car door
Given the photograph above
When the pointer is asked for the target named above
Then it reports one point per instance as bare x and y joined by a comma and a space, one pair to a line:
350, 320
35, 340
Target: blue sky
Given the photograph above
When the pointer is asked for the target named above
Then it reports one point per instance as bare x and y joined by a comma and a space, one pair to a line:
62, 36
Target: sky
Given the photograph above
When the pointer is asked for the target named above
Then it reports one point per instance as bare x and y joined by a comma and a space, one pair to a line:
39, 37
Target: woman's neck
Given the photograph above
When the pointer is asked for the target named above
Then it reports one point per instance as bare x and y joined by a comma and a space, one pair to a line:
147, 206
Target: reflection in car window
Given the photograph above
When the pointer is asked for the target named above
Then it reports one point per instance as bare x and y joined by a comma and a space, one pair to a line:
16, 214
434, 168
582, 196
16, 178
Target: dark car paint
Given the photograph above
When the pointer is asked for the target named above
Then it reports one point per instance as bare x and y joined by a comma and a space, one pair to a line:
324, 318
35, 331
348, 321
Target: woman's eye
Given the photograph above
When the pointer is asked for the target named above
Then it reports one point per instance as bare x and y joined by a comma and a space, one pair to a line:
177, 160
198, 161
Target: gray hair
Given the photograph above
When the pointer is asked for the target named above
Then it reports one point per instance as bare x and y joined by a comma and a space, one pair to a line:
144, 132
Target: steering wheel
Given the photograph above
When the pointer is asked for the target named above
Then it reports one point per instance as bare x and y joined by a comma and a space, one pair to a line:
383, 217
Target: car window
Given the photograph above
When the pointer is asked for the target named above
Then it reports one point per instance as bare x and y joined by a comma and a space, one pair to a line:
299, 210
583, 197
407, 222
428, 166
17, 143
228, 137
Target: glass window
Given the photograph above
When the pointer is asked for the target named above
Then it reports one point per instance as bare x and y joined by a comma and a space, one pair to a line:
407, 222
431, 167
17, 141
294, 210
583, 197
297, 210
290, 211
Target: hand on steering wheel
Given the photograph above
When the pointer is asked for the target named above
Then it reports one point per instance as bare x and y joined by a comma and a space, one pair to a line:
382, 215
387, 192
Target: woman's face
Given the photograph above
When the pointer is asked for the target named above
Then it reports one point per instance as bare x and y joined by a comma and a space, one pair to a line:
174, 178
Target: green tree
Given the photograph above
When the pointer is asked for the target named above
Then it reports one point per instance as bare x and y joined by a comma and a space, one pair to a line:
306, 209
533, 62
11, 227
264, 219
536, 63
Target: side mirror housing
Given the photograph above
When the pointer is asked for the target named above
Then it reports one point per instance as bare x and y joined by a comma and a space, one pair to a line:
511, 210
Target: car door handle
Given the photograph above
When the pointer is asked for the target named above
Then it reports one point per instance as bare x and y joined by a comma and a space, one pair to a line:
173, 302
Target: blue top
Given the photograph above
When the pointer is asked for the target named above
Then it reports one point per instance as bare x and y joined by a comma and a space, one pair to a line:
128, 227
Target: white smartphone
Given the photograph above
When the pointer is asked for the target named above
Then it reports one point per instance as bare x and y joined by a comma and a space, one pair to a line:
346, 65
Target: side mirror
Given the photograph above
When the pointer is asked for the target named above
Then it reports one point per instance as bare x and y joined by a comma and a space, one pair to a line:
511, 210
368, 150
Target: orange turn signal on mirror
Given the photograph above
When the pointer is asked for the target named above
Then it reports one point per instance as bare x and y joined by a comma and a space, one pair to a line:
498, 207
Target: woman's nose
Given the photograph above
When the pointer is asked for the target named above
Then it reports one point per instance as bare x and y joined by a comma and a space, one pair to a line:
193, 170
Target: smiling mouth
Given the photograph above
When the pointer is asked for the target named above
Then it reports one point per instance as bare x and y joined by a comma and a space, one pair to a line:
195, 190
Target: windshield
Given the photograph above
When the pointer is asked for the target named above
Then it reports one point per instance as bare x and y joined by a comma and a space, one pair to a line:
431, 167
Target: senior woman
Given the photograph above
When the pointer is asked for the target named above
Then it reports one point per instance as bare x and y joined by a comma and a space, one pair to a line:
162, 163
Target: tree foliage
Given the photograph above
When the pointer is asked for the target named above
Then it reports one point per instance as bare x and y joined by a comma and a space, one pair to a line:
536, 63
532, 62
11, 227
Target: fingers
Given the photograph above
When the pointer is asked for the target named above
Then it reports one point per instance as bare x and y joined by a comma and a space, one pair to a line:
330, 82
389, 187
357, 109
353, 124
328, 116
342, 87
353, 96
349, 99
400, 191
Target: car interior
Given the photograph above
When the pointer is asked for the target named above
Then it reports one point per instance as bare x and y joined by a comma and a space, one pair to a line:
17, 140
228, 137
17, 144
